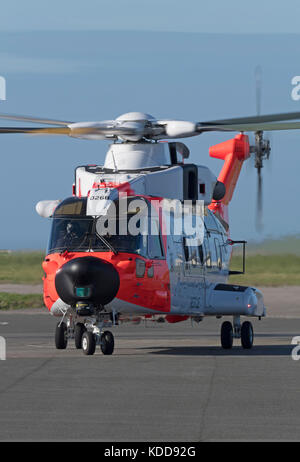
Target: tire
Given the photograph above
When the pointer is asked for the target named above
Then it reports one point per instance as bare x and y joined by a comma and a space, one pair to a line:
247, 335
226, 335
107, 343
88, 343
61, 339
78, 333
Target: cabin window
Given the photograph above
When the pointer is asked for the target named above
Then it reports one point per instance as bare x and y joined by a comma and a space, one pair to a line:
190, 182
218, 253
201, 255
140, 268
155, 242
185, 249
193, 255
192, 185
207, 255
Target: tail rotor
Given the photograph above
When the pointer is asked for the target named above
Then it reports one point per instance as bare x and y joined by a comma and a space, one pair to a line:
261, 151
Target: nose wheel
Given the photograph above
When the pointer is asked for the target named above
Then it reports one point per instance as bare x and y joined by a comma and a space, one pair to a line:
88, 343
78, 333
87, 336
107, 343
61, 336
226, 335
247, 335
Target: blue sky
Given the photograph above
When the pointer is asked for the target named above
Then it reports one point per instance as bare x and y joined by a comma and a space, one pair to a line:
230, 16
61, 60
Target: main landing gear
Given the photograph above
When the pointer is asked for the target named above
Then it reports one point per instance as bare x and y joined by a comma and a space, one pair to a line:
87, 332
242, 331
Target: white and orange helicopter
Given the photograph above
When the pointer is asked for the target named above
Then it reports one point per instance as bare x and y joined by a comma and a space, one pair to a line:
102, 266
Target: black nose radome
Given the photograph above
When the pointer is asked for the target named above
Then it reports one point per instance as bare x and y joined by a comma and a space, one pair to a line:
87, 279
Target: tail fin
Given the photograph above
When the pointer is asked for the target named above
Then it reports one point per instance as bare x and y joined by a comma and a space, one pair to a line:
234, 152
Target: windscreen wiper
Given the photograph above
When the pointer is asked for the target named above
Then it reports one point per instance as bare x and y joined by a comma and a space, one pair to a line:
106, 243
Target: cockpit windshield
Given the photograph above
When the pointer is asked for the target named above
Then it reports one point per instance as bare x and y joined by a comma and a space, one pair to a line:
78, 234
73, 230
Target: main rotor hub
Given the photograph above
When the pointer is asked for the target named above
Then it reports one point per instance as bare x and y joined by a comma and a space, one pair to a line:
135, 116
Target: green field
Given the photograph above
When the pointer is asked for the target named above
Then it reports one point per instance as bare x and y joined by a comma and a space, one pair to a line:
272, 262
286, 245
267, 270
19, 301
21, 267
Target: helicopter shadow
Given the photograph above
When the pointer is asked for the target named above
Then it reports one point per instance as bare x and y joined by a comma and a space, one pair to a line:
238, 351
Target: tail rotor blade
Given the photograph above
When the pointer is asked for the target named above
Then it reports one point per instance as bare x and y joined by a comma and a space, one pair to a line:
259, 202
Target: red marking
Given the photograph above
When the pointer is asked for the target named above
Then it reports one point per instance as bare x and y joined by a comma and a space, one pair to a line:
123, 188
102, 184
234, 152
79, 187
172, 318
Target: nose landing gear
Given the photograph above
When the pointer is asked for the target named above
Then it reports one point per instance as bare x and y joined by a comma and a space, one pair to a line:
243, 332
87, 332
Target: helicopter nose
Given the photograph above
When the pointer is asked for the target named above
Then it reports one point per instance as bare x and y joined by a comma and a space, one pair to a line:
88, 279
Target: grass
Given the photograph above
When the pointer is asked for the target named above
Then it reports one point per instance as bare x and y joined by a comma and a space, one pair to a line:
286, 245
267, 270
21, 267
19, 301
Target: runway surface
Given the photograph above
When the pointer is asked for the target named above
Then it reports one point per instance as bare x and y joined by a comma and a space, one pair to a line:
163, 383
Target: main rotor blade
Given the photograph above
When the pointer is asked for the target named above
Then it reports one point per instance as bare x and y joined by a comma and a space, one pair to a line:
37, 131
81, 130
258, 85
255, 119
135, 130
248, 127
37, 120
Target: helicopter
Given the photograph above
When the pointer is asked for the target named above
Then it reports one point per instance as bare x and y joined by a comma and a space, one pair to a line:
119, 245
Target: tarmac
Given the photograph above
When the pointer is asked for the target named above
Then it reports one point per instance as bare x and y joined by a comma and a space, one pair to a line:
164, 383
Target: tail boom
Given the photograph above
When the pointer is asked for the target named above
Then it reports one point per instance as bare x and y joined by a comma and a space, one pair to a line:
234, 152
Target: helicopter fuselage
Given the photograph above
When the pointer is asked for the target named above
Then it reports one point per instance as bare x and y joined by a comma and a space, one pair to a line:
168, 273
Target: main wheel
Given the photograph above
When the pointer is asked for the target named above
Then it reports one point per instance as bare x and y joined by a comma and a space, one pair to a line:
107, 343
88, 343
226, 335
79, 331
247, 335
61, 339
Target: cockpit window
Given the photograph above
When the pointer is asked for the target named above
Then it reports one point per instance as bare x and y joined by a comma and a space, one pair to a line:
79, 235
70, 234
74, 206
73, 230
